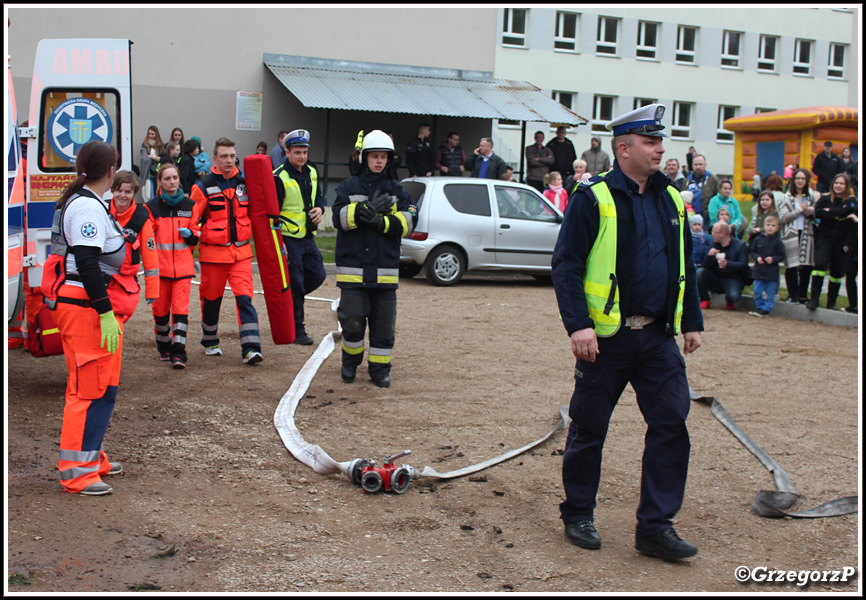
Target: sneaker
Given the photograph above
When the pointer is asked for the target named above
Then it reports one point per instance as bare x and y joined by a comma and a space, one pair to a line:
730, 305
178, 363
803, 301
705, 304
165, 356
252, 357
850, 309
759, 313
791, 300
97, 488
213, 351
116, 468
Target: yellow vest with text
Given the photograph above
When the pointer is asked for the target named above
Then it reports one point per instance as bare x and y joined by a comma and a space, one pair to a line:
600, 284
293, 215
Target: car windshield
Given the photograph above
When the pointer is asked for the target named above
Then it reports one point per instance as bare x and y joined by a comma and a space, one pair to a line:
515, 203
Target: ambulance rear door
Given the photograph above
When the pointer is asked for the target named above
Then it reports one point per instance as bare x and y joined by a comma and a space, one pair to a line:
14, 210
81, 91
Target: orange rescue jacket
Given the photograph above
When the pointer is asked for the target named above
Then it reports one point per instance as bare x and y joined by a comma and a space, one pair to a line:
222, 211
123, 290
175, 253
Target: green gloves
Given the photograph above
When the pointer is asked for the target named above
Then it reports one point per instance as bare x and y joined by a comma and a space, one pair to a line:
110, 332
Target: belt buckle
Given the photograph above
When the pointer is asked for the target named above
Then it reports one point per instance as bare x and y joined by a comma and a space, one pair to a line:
638, 322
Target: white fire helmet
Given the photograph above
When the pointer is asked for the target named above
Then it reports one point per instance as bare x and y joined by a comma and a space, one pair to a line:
377, 140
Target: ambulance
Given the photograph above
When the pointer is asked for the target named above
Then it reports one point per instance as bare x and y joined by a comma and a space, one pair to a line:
81, 91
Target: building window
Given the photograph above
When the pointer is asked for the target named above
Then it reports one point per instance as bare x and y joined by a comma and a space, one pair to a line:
564, 98
566, 32
687, 44
682, 120
725, 113
731, 49
602, 112
606, 38
765, 110
509, 123
639, 102
767, 53
836, 61
514, 27
802, 57
647, 39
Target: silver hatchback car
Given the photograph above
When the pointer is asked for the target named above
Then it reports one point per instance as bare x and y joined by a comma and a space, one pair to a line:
467, 224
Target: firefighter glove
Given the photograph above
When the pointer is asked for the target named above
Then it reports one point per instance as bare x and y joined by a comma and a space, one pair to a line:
110, 332
381, 202
184, 232
370, 217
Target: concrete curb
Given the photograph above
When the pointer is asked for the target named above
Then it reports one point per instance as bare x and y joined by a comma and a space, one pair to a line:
792, 311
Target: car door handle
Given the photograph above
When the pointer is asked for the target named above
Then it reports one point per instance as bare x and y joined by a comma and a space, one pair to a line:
505, 226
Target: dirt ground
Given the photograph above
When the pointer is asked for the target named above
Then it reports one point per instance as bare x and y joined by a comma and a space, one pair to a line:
211, 500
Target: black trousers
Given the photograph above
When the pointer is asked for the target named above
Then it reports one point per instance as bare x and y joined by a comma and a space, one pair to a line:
378, 308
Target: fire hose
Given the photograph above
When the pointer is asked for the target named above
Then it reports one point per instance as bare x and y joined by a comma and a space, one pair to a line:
774, 504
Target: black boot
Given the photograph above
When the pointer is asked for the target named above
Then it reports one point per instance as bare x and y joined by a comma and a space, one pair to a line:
833, 293
817, 284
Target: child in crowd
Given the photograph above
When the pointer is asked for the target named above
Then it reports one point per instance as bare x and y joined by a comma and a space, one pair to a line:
725, 216
555, 192
768, 251
766, 206
687, 197
701, 240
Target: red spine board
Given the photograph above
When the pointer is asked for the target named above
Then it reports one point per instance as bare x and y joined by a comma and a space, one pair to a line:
273, 270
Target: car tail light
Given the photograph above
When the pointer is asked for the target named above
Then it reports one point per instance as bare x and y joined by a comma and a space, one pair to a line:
418, 236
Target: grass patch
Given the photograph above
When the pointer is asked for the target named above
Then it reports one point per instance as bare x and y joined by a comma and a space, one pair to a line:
165, 554
327, 245
18, 579
142, 587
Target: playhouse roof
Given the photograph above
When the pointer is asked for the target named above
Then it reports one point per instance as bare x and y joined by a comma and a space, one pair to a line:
795, 118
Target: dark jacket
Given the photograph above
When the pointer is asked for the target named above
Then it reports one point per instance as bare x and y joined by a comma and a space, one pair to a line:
578, 233
700, 246
538, 162
420, 157
737, 255
450, 158
833, 214
764, 247
362, 250
825, 168
564, 156
495, 169
188, 176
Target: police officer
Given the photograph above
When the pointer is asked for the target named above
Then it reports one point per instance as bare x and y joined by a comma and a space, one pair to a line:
625, 284
301, 206
371, 213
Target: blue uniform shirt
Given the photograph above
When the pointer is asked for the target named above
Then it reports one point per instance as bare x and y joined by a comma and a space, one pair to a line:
649, 288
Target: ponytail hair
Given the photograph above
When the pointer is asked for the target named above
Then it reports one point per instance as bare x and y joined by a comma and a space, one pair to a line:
92, 163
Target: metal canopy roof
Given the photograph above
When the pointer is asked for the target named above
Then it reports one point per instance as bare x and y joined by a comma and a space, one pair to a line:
379, 87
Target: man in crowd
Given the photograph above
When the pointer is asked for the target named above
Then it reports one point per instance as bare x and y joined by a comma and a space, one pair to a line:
825, 167
538, 161
703, 185
302, 204
450, 156
726, 267
420, 154
222, 210
278, 154
564, 154
597, 160
672, 170
483, 163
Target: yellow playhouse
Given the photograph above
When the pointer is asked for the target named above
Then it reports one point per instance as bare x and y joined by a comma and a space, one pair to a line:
770, 141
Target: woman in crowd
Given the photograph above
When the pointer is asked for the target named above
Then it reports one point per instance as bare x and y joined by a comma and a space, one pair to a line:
177, 136
795, 216
724, 199
151, 149
262, 148
831, 233
87, 246
580, 174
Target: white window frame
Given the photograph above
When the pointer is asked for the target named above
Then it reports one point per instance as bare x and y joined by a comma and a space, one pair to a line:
772, 62
599, 43
557, 95
561, 38
508, 28
508, 124
599, 120
640, 102
805, 68
683, 56
641, 41
726, 112
835, 71
679, 131
733, 60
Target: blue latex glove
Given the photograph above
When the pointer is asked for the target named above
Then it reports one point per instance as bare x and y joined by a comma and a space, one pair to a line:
184, 232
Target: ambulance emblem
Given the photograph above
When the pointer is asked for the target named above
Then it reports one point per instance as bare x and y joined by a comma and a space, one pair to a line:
76, 122
88, 230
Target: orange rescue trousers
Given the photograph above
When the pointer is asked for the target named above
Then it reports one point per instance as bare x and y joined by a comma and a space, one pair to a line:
240, 279
171, 318
91, 390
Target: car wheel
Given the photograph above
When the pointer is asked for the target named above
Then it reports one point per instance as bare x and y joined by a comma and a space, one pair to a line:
445, 266
408, 271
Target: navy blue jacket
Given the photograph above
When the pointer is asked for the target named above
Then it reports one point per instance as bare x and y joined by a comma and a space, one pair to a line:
577, 236
737, 256
765, 246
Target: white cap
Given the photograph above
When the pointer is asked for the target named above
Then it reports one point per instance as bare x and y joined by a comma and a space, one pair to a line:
645, 120
298, 137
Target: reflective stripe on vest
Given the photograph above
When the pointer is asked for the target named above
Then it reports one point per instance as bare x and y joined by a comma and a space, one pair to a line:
600, 285
293, 214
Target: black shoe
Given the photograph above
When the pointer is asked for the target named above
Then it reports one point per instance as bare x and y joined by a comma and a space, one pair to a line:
812, 304
583, 535
666, 545
382, 381
850, 309
347, 374
303, 339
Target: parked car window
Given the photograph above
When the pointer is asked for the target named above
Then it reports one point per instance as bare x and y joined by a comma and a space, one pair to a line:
470, 199
514, 203
416, 189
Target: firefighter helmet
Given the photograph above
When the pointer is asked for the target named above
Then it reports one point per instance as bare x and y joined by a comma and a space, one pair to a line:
377, 140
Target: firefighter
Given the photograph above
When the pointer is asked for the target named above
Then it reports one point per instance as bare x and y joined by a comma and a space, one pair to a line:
222, 210
176, 235
371, 213
302, 204
134, 220
87, 248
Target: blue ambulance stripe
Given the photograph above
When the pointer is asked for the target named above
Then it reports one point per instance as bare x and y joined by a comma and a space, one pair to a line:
15, 219
40, 215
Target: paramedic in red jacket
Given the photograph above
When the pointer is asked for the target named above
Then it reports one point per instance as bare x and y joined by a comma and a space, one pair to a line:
222, 210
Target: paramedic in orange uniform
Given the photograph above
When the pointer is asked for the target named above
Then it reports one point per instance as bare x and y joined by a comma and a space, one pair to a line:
87, 248
221, 208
